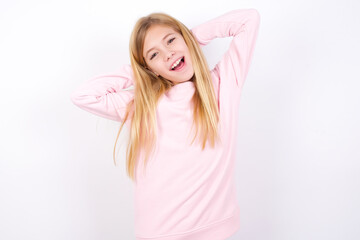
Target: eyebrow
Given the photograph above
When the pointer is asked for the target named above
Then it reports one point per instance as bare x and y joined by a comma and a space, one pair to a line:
153, 47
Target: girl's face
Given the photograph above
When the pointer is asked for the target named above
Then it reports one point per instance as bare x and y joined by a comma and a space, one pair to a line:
163, 48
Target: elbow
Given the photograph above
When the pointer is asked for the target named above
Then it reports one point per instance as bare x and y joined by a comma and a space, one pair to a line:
254, 15
75, 97
250, 16
254, 18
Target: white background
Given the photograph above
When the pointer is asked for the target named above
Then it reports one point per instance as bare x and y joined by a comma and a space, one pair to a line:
298, 164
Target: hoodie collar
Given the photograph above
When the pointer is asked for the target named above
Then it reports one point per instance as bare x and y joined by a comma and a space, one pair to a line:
184, 90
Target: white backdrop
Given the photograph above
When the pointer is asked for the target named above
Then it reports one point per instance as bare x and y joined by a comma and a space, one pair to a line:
298, 164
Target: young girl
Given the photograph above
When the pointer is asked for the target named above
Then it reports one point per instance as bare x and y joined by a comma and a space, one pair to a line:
183, 121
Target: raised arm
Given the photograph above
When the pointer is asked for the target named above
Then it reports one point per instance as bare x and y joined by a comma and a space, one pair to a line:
104, 95
242, 25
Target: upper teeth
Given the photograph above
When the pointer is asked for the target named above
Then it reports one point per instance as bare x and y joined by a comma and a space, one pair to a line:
176, 63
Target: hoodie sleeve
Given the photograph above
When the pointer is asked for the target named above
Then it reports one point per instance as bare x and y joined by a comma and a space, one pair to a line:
105, 95
242, 25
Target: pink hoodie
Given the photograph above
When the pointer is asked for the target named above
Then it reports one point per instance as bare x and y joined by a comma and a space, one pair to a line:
186, 193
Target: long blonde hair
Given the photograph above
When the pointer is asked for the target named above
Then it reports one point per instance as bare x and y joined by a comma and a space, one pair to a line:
149, 87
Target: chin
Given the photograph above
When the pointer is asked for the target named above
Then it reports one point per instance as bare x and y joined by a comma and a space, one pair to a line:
177, 82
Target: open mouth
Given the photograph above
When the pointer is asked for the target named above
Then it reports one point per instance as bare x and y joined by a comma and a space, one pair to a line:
179, 66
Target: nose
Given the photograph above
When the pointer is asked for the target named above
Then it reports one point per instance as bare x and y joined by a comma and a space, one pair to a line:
169, 55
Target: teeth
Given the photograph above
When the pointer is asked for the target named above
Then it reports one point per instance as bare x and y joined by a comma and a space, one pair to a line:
176, 63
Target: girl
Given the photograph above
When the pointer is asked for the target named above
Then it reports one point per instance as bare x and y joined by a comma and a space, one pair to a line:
184, 189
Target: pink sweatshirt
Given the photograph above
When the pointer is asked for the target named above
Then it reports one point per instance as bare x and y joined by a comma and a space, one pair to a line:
186, 193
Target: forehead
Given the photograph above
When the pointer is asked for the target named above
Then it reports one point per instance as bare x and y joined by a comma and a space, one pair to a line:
155, 35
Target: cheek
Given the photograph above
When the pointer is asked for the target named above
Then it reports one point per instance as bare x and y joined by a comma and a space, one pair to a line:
157, 67
183, 43
152, 65
186, 49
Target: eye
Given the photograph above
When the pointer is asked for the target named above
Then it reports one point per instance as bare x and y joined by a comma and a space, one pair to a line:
170, 41
152, 56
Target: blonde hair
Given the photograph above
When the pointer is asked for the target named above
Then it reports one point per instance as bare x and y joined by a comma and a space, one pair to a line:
148, 87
